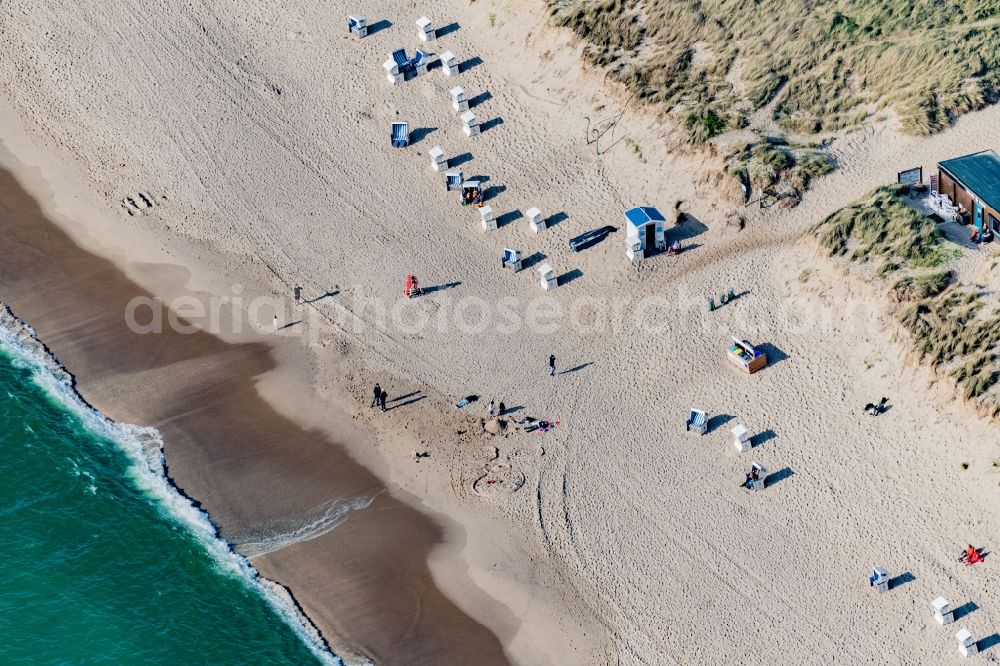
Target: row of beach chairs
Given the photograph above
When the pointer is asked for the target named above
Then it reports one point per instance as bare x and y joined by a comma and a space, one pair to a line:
358, 26
397, 67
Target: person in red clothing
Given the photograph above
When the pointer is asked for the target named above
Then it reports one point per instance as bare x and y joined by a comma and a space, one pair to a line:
412, 286
971, 555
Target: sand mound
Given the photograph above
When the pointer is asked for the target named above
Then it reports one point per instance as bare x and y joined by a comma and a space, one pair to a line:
494, 426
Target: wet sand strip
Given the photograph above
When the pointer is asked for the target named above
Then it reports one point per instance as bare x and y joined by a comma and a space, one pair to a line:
365, 584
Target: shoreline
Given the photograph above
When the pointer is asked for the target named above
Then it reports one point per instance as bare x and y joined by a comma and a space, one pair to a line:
77, 313
23, 342
584, 562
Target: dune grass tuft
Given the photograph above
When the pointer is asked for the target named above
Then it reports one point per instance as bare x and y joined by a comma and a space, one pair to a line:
951, 325
883, 226
918, 287
824, 64
771, 164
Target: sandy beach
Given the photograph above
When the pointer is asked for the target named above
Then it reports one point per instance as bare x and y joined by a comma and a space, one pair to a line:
224, 154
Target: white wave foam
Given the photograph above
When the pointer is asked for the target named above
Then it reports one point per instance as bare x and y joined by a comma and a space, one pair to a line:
328, 516
144, 447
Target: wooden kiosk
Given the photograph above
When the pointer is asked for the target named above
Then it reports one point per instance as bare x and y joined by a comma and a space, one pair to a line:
746, 356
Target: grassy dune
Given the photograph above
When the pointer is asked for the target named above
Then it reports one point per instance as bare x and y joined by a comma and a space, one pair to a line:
823, 65
954, 326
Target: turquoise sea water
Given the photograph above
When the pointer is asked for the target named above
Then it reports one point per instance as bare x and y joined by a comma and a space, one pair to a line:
101, 562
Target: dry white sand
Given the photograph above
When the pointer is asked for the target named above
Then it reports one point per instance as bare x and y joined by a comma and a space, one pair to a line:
261, 132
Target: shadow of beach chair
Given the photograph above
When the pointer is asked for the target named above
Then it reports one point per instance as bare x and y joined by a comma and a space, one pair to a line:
400, 135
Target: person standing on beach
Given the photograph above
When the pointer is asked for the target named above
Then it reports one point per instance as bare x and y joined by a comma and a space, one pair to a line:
552, 365
381, 399
377, 395
297, 292
501, 409
490, 409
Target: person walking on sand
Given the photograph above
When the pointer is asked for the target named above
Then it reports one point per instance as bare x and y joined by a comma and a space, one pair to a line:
297, 292
381, 399
490, 409
376, 395
275, 323
552, 365
501, 409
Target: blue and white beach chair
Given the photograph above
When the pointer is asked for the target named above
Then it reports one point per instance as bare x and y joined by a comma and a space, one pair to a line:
453, 180
697, 422
400, 135
402, 61
358, 25
420, 62
511, 259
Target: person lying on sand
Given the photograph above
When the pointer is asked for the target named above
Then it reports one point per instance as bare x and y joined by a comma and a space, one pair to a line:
970, 555
464, 402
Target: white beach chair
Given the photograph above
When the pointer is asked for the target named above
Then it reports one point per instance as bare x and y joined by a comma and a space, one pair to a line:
879, 579
511, 259
357, 25
535, 219
392, 71
633, 248
741, 438
438, 162
547, 277
469, 123
449, 65
487, 218
458, 101
942, 611
966, 645
425, 30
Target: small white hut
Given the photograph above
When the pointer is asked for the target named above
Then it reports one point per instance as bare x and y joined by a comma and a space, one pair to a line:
644, 233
